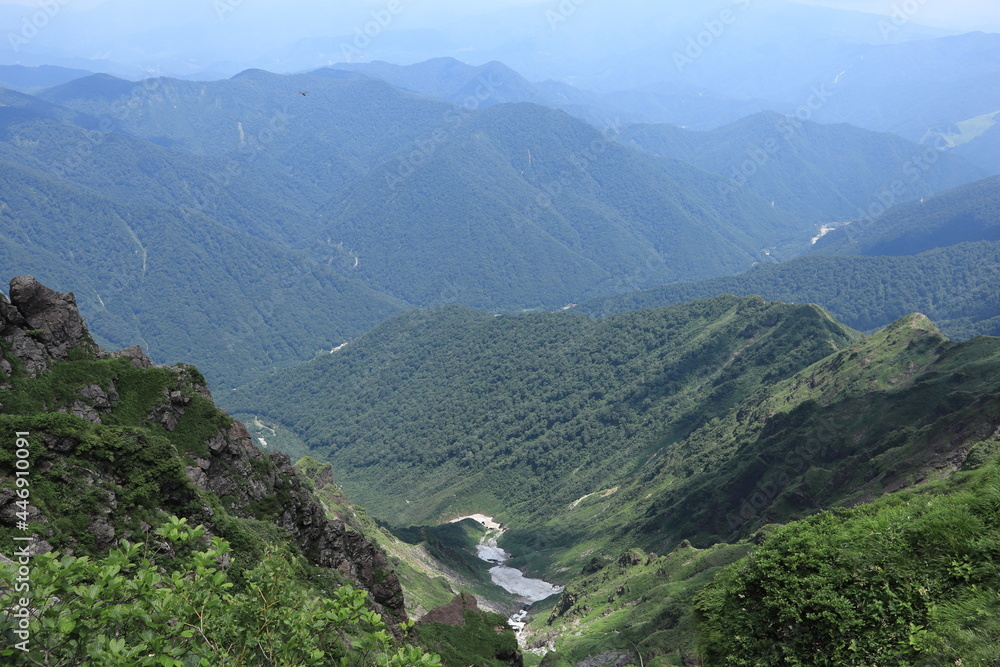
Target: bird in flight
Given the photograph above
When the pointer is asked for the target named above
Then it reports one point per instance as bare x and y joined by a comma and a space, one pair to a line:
302, 94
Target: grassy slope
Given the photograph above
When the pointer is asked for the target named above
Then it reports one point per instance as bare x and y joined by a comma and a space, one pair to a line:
433, 563
903, 407
897, 408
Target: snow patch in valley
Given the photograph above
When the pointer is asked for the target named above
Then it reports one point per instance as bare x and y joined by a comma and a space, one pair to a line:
508, 578
823, 231
486, 521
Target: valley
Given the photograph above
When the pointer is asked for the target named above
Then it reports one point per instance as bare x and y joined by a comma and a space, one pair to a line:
586, 335
511, 580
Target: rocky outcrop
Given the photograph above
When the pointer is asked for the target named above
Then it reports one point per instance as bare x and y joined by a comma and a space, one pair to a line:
452, 613
135, 354
39, 327
94, 401
239, 473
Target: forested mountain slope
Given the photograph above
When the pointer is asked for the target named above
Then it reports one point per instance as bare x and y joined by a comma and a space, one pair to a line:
507, 207
963, 214
453, 411
824, 173
682, 432
525, 205
183, 289
891, 415
954, 286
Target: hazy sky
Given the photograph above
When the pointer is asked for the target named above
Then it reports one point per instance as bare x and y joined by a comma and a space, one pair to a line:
192, 37
956, 14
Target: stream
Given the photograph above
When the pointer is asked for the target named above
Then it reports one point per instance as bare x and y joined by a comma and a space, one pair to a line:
510, 579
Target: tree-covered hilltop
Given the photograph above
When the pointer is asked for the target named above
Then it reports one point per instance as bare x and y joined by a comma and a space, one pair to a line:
160, 534
954, 286
454, 410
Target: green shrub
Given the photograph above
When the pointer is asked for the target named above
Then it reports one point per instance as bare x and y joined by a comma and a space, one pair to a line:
124, 610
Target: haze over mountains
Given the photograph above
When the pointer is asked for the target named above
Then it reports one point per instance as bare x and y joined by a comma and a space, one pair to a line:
688, 308
452, 194
687, 66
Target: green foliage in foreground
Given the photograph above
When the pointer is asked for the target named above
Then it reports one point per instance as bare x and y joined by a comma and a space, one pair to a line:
913, 579
639, 603
483, 634
125, 610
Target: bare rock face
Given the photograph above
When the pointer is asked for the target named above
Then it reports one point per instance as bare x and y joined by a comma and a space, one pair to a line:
170, 412
452, 613
135, 355
42, 325
240, 472
83, 411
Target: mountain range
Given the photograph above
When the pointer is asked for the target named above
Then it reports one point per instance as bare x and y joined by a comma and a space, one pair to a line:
689, 312
937, 256
254, 172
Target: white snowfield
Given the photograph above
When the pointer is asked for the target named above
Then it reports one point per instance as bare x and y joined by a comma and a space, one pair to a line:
511, 580
481, 518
